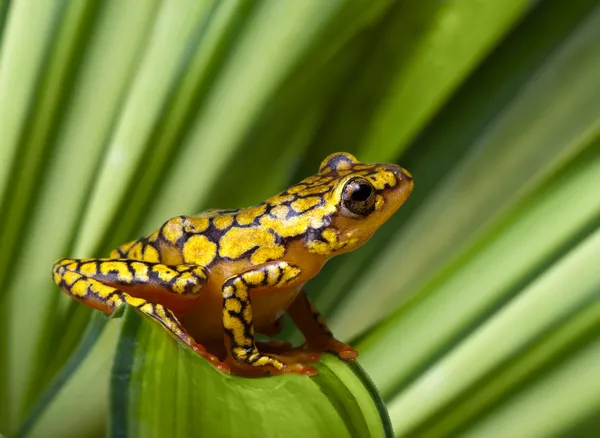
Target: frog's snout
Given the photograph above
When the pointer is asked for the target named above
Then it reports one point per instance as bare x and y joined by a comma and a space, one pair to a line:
403, 176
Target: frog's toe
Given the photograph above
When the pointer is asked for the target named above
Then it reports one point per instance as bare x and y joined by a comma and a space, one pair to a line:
344, 351
293, 368
299, 368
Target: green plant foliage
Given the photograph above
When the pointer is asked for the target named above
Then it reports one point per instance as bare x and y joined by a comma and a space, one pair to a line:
158, 387
475, 309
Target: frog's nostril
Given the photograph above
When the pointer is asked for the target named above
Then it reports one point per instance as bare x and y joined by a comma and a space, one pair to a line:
401, 174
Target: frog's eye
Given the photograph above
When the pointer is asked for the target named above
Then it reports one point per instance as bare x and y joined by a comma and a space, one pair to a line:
358, 198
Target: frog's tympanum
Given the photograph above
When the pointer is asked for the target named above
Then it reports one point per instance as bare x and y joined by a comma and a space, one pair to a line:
226, 274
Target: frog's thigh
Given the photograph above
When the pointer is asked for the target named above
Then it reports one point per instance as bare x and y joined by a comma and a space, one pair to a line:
101, 283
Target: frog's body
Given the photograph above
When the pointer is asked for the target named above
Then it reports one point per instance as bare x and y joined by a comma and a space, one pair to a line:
235, 272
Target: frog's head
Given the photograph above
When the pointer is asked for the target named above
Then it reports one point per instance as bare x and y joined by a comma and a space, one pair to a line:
364, 195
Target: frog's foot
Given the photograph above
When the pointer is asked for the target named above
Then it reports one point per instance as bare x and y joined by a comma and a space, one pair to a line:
344, 351
332, 345
258, 364
312, 353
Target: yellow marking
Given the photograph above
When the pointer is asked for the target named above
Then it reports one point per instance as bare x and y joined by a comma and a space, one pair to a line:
114, 301
70, 277
147, 308
280, 211
141, 271
236, 325
134, 301
248, 315
135, 252
56, 277
254, 278
239, 285
325, 179
173, 230
262, 361
164, 273
228, 291
380, 179
185, 280
88, 269
151, 254
198, 250
233, 305
279, 199
303, 204
317, 190
180, 284
317, 247
238, 241
125, 248
379, 202
121, 268
272, 274
297, 189
222, 222
332, 243
101, 289
247, 216
289, 273
329, 235
240, 352
266, 253
311, 179
297, 225
79, 289
160, 311
196, 224
200, 272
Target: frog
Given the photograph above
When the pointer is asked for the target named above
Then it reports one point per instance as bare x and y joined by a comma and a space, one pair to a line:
221, 277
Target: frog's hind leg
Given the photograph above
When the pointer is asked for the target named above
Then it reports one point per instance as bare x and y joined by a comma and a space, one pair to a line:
312, 325
106, 284
243, 354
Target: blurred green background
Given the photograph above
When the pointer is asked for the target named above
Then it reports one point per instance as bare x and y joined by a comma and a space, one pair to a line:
476, 308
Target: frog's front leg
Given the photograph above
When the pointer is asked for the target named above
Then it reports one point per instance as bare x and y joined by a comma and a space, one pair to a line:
312, 325
106, 284
237, 319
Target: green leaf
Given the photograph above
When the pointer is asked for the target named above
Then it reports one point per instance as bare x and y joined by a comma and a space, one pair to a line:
158, 387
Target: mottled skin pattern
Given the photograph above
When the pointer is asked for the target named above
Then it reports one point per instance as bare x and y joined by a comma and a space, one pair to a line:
225, 274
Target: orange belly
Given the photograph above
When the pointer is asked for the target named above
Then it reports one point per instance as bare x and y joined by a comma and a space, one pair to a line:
204, 318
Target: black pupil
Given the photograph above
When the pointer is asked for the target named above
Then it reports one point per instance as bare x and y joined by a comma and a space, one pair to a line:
362, 193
